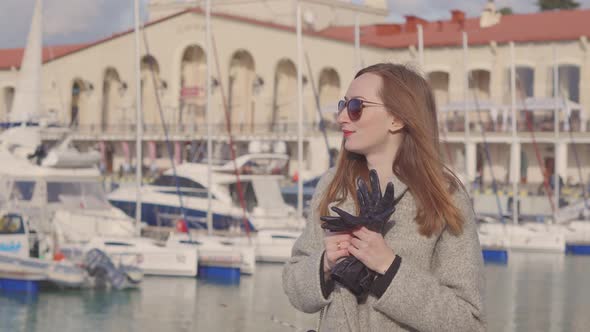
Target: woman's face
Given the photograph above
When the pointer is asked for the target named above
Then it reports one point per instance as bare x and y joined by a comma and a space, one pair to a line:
370, 133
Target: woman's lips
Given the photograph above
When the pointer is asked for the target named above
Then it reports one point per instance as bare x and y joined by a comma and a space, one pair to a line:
347, 133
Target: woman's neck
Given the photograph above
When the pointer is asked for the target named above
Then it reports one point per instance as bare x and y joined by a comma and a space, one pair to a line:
383, 164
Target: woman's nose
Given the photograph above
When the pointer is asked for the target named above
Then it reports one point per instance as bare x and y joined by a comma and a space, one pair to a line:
342, 117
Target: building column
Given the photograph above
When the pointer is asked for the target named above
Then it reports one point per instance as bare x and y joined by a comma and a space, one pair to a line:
178, 152
515, 150
561, 159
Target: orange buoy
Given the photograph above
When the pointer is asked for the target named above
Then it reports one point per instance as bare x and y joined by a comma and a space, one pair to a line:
58, 256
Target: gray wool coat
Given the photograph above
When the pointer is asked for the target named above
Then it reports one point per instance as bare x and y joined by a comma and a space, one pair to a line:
438, 287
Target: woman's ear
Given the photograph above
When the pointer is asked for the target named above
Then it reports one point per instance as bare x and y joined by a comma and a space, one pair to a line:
396, 126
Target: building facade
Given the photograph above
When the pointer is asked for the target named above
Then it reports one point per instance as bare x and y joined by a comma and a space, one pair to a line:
91, 87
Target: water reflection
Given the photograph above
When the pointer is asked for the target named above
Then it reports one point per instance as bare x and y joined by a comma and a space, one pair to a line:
534, 292
539, 292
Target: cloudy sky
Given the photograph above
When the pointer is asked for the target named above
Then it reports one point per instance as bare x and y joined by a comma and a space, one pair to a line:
74, 21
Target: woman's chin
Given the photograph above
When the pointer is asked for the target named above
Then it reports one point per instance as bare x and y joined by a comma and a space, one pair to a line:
350, 147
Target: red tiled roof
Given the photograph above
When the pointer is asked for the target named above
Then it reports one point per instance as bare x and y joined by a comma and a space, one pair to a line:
536, 27
12, 57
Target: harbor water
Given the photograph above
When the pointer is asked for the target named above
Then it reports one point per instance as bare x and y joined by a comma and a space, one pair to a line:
533, 292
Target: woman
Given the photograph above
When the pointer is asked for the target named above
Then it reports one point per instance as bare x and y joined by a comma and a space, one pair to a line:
428, 262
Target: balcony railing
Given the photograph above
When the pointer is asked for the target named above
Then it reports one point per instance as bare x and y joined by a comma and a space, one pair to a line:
241, 129
534, 114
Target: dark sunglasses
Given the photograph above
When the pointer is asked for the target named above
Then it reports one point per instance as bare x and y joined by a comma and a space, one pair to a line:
354, 107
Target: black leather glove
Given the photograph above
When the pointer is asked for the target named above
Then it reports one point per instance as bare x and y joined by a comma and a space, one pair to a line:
375, 211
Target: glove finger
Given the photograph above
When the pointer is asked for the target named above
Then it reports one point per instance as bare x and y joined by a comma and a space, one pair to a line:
362, 187
375, 187
386, 214
344, 215
388, 198
347, 220
330, 218
362, 203
335, 228
334, 221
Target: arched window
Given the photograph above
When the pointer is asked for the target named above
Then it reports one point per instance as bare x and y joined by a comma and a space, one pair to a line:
568, 85
79, 112
439, 82
8, 98
193, 95
284, 102
329, 91
525, 83
150, 85
242, 74
112, 90
479, 84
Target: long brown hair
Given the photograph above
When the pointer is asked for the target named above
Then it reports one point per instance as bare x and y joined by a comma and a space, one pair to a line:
418, 163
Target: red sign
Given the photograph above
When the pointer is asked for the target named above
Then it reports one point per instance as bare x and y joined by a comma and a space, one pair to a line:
190, 91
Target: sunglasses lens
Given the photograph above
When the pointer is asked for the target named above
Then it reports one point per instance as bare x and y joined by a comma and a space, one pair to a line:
355, 108
341, 105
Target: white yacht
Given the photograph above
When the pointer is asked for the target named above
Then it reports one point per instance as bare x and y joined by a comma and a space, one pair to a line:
530, 237
216, 251
65, 201
273, 224
23, 271
259, 176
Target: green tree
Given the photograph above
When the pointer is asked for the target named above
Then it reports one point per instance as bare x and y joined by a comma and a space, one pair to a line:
557, 4
506, 11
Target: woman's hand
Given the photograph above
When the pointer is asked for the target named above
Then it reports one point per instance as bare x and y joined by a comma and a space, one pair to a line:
370, 248
337, 245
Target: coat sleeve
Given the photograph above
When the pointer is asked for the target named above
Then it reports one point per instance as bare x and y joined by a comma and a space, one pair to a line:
449, 297
301, 274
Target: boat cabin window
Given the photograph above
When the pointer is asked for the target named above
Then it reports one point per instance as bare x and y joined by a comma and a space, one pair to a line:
312, 183
193, 242
118, 244
287, 237
77, 194
188, 193
22, 190
11, 224
249, 195
169, 181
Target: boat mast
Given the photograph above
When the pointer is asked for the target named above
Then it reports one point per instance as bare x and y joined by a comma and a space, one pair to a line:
557, 147
138, 119
208, 114
299, 112
470, 155
515, 147
421, 47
